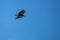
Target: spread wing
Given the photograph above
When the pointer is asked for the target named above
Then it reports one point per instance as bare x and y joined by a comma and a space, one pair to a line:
20, 14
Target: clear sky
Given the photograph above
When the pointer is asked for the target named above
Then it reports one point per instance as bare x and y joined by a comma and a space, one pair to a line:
41, 21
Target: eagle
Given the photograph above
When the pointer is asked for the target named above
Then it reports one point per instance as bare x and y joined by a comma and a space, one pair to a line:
20, 14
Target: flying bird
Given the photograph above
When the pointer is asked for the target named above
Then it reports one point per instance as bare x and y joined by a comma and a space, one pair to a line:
20, 14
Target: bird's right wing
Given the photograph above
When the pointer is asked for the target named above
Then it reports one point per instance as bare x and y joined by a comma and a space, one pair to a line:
22, 12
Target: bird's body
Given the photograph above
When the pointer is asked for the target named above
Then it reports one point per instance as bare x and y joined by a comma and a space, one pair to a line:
20, 14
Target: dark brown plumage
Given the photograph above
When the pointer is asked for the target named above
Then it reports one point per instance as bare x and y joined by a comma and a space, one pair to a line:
20, 14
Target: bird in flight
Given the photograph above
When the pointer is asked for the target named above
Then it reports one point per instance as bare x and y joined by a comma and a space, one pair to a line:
20, 14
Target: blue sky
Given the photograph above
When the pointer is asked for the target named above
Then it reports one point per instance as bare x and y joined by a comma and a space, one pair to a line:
41, 21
